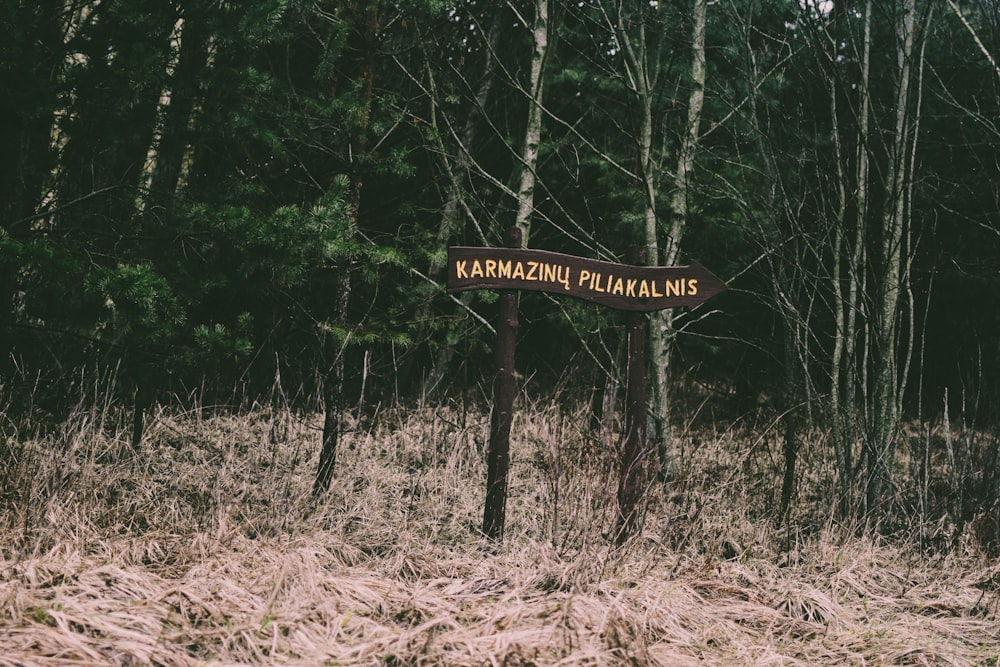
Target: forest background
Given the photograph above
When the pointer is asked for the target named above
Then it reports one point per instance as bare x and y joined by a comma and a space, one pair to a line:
203, 201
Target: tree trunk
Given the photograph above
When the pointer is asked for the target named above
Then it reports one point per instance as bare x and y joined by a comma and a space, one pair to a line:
662, 322
885, 413
844, 364
333, 402
635, 457
533, 129
857, 276
333, 384
502, 415
841, 441
178, 104
792, 400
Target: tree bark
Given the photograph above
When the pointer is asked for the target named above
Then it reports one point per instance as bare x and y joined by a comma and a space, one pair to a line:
333, 384
533, 129
792, 399
844, 362
178, 104
885, 413
635, 458
504, 390
662, 322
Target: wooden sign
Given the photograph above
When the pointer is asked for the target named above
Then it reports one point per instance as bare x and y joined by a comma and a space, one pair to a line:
622, 286
633, 287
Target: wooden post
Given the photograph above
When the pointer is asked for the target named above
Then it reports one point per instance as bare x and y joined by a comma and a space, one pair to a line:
504, 389
633, 464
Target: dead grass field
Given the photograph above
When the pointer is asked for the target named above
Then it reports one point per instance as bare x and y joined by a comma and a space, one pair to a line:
206, 548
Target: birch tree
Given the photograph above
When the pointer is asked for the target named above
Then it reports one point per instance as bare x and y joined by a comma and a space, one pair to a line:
883, 431
640, 36
363, 21
852, 148
539, 25
662, 328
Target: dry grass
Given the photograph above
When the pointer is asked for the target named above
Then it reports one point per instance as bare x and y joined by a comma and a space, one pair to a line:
206, 548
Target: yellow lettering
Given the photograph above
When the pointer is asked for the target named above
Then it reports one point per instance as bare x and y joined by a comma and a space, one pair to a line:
563, 279
477, 269
532, 271
584, 277
518, 271
460, 270
503, 269
491, 268
693, 286
549, 273
630, 286
595, 282
652, 284
675, 288
619, 288
643, 289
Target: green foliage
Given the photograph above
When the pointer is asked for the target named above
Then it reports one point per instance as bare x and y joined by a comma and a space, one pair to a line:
218, 344
140, 306
311, 145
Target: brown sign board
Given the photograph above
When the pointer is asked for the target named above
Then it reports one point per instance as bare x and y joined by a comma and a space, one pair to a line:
622, 286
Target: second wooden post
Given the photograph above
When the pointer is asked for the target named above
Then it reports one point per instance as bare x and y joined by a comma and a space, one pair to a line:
633, 464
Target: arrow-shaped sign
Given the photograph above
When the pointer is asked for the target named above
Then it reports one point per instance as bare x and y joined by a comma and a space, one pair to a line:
622, 286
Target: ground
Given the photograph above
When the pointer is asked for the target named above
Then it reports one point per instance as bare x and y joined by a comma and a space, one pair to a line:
206, 547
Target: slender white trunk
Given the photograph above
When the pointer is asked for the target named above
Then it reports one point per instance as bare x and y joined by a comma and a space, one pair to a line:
841, 441
856, 268
153, 153
689, 142
843, 366
661, 330
884, 429
533, 130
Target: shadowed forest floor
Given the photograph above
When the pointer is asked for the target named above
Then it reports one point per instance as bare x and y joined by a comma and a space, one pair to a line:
206, 548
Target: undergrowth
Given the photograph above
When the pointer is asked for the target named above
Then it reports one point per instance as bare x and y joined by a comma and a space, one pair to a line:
206, 545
